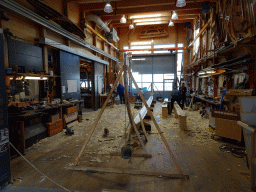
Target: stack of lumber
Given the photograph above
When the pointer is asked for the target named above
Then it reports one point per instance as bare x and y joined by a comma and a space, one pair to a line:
181, 115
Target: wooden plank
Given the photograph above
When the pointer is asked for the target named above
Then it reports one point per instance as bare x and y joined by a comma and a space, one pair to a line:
143, 128
133, 155
98, 118
156, 125
245, 126
198, 35
128, 171
127, 102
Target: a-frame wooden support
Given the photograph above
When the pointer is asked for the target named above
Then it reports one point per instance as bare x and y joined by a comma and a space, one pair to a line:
180, 175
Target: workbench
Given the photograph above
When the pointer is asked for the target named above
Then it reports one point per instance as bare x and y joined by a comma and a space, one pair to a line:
207, 102
28, 127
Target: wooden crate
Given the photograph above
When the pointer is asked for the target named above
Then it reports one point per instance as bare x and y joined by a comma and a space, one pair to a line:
54, 118
71, 110
228, 128
54, 128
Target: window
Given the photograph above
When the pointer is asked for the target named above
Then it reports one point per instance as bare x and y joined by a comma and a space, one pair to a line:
171, 45
158, 87
158, 77
141, 47
196, 43
136, 76
146, 86
147, 78
169, 76
168, 86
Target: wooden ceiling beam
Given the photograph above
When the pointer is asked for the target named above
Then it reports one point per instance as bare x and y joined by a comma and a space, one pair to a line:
166, 15
164, 23
148, 9
162, 19
135, 4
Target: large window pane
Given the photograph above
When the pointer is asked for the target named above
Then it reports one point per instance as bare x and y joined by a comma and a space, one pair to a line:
146, 86
147, 78
171, 45
168, 86
169, 76
134, 88
136, 76
158, 87
158, 77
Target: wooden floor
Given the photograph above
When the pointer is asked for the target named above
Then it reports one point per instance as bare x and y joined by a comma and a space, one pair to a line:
208, 167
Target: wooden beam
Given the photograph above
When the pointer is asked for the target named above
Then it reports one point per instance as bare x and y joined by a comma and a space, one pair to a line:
198, 35
128, 171
141, 4
133, 155
98, 117
147, 9
156, 125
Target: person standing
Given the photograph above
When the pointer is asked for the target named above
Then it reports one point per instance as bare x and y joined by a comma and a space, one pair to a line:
183, 91
175, 97
120, 91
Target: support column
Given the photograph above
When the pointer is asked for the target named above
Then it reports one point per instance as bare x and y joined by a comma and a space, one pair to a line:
43, 33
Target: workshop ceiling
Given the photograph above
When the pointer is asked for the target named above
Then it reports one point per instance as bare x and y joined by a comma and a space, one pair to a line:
131, 8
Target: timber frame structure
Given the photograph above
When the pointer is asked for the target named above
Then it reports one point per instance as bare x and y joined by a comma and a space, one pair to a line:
126, 71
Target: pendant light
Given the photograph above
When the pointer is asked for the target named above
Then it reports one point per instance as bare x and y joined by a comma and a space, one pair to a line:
123, 19
181, 3
171, 24
131, 26
108, 8
174, 15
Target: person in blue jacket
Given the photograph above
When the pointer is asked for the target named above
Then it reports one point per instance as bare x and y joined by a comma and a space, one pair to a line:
120, 91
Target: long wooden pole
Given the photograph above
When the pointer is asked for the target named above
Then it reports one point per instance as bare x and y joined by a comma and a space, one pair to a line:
156, 125
127, 102
99, 116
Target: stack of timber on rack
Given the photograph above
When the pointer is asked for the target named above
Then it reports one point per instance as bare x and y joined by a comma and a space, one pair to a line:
181, 115
70, 115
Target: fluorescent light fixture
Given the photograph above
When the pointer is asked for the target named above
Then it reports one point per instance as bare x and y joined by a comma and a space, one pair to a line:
174, 15
142, 43
131, 26
145, 16
36, 78
149, 23
147, 20
181, 3
108, 8
201, 73
123, 19
210, 71
171, 24
139, 59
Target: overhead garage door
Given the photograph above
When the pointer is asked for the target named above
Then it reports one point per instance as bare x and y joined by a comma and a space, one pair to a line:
156, 69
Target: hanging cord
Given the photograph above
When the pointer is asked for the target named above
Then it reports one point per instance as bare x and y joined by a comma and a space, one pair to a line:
39, 170
235, 151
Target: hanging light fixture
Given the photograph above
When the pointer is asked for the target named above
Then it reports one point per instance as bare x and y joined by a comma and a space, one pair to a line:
174, 15
108, 8
131, 26
181, 3
171, 24
123, 19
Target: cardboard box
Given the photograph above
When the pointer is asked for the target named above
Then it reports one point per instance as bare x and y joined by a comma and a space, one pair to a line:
228, 128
